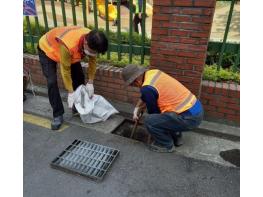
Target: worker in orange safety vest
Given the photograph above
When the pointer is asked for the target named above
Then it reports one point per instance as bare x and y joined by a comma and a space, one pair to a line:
68, 46
172, 108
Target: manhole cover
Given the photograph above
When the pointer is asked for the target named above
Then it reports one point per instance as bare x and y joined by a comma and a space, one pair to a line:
86, 158
232, 156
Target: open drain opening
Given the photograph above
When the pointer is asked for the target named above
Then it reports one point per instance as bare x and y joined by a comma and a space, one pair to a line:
140, 134
232, 156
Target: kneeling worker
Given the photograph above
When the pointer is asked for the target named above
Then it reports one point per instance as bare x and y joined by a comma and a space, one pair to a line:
171, 107
68, 46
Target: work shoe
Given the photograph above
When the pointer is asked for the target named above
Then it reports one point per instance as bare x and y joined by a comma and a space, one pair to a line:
56, 122
74, 111
178, 139
160, 149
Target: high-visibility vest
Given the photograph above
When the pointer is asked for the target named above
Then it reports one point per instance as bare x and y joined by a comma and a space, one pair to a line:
69, 36
173, 96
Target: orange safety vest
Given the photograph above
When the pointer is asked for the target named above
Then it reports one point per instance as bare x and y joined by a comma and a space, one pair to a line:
69, 36
173, 96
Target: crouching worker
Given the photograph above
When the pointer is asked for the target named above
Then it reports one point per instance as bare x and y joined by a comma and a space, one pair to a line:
172, 108
68, 46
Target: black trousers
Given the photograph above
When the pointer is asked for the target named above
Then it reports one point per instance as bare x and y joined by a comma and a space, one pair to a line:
136, 22
49, 69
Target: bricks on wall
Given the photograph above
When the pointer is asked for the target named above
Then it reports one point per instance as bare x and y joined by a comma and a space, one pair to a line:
108, 82
221, 100
180, 35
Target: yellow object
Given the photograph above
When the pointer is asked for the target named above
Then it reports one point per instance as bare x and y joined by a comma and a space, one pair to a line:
39, 121
112, 11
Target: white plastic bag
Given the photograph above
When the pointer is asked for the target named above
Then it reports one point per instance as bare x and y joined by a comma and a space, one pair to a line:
92, 110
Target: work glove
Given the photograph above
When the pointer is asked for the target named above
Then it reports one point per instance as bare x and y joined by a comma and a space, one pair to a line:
90, 89
70, 99
136, 114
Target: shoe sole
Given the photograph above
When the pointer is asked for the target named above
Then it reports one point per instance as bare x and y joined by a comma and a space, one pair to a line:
161, 150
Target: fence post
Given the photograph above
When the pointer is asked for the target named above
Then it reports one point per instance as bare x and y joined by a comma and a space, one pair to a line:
84, 13
130, 29
95, 14
30, 33
73, 11
107, 25
143, 30
226, 34
119, 28
54, 13
44, 14
63, 12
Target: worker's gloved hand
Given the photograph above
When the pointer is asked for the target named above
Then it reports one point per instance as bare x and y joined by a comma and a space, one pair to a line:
136, 114
90, 89
70, 99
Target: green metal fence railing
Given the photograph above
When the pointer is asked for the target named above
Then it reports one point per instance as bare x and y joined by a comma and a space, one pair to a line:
33, 30
224, 47
31, 37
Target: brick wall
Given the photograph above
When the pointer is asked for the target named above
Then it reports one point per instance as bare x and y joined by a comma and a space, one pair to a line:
108, 82
180, 34
221, 101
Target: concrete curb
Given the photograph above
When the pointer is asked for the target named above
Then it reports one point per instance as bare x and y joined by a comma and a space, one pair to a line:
207, 128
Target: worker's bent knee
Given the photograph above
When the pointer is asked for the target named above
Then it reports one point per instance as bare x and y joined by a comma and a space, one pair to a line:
151, 120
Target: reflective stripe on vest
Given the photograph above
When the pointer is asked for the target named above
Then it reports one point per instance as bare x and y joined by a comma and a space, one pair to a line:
188, 99
66, 31
175, 98
156, 76
61, 35
49, 44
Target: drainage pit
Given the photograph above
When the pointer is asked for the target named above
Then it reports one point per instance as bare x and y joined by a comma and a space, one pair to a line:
232, 156
140, 134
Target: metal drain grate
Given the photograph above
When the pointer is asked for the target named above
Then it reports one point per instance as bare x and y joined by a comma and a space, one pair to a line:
86, 158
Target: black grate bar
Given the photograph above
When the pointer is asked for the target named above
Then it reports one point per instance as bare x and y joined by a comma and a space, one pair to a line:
86, 158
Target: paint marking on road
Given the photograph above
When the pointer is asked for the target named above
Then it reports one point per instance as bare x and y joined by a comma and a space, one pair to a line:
40, 121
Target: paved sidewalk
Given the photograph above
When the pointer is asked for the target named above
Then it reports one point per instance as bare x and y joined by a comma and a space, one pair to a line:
195, 169
196, 145
126, 110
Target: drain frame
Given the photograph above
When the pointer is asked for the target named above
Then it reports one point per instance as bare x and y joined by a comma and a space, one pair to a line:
86, 159
141, 134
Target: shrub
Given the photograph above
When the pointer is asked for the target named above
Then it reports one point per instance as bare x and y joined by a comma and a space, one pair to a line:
211, 73
136, 59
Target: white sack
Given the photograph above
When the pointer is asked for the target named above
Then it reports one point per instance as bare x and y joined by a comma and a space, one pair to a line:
92, 110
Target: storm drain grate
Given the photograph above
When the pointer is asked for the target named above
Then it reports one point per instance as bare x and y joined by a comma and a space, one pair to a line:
86, 158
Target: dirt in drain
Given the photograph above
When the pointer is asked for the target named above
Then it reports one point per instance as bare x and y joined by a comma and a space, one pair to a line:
140, 134
232, 156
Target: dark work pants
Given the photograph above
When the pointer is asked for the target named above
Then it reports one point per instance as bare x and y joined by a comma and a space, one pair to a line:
165, 126
49, 69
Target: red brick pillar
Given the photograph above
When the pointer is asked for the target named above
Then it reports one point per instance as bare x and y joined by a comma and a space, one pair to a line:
180, 35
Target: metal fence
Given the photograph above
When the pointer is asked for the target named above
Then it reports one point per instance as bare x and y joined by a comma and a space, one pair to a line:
224, 46
31, 36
